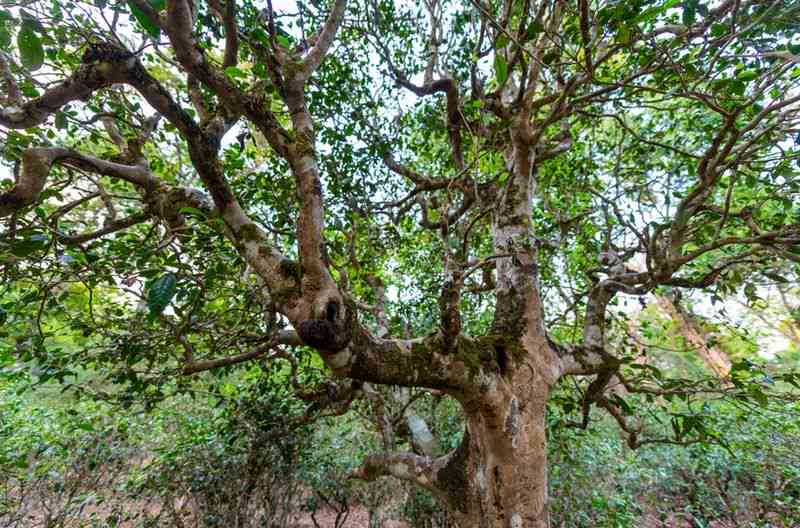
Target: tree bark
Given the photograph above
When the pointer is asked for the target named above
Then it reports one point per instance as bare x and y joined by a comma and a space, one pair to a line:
505, 445
503, 459
497, 477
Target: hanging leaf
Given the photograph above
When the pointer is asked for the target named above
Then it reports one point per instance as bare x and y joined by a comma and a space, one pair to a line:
24, 247
235, 73
624, 34
31, 21
5, 35
549, 57
776, 277
534, 29
145, 22
161, 292
284, 42
192, 211
500, 69
260, 35
689, 12
747, 75
61, 120
31, 51
501, 42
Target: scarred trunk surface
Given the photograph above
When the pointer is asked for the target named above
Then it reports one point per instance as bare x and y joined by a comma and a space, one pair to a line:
497, 477
506, 445
504, 460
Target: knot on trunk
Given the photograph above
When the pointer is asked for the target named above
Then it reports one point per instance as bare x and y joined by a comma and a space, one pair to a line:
330, 332
105, 52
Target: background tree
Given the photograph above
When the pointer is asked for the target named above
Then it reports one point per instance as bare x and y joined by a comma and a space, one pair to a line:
464, 209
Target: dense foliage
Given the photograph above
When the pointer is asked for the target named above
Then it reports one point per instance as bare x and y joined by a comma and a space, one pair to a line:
86, 464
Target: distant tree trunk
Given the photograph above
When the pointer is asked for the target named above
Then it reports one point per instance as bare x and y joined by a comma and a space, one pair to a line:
711, 354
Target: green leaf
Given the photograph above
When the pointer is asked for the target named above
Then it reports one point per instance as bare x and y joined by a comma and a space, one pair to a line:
161, 293
776, 277
61, 120
624, 34
31, 51
689, 12
31, 21
26, 246
284, 42
501, 42
534, 29
5, 35
500, 69
649, 14
718, 30
747, 75
260, 35
260, 71
86, 426
192, 211
759, 396
738, 88
743, 365
145, 22
235, 73
28, 90
549, 57
731, 86
750, 292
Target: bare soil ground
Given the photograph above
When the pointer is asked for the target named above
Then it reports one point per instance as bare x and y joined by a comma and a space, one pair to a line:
358, 517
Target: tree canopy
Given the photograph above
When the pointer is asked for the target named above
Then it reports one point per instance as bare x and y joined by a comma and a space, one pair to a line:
465, 197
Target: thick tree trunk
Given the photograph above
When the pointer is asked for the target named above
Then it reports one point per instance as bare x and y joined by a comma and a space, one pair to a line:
504, 460
497, 477
505, 447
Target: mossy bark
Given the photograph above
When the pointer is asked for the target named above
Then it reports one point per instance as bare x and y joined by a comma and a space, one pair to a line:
499, 478
506, 447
